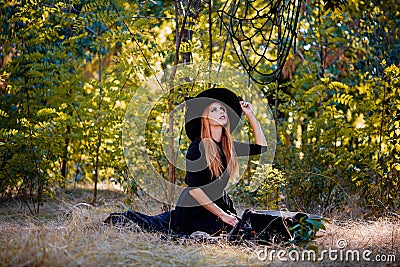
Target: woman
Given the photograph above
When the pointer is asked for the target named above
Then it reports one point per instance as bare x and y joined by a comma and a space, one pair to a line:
211, 160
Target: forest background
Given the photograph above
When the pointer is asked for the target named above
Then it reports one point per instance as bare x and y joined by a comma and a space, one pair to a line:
69, 70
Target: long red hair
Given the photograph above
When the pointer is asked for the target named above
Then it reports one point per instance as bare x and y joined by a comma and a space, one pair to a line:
212, 151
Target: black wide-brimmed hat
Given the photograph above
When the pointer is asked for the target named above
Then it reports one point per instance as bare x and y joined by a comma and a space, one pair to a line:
197, 104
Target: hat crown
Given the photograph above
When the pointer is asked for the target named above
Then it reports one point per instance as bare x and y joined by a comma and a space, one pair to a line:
196, 106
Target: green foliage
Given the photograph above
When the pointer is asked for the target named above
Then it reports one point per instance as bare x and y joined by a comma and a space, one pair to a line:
61, 118
39, 81
339, 143
264, 188
305, 232
338, 124
338, 113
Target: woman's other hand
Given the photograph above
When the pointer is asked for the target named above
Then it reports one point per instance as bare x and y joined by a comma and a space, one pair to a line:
229, 219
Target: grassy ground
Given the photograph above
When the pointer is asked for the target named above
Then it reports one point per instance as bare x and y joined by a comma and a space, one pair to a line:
69, 232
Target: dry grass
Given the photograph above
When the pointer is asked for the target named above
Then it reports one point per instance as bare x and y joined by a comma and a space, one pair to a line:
66, 233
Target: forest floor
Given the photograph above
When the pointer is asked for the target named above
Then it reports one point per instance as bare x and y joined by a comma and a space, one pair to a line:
69, 232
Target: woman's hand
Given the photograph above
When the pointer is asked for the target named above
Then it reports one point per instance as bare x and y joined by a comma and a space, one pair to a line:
249, 112
229, 219
206, 202
247, 108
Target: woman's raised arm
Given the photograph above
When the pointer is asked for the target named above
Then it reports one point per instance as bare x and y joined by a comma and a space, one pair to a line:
258, 133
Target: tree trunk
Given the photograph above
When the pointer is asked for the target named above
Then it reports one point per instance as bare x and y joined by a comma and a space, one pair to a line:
99, 129
185, 9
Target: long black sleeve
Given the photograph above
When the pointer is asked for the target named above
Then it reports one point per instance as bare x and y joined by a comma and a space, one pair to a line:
245, 149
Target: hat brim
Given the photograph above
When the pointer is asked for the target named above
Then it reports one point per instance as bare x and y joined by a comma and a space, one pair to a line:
196, 106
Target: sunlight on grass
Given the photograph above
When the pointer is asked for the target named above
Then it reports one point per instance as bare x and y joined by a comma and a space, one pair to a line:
70, 232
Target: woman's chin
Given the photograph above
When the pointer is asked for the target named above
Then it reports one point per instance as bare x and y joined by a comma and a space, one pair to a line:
220, 123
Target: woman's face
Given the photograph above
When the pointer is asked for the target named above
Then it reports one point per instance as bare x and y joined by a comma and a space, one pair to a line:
217, 115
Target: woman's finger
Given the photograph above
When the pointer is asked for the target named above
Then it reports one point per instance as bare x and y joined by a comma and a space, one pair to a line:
245, 104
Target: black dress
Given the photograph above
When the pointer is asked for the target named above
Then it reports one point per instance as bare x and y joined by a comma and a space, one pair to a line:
189, 216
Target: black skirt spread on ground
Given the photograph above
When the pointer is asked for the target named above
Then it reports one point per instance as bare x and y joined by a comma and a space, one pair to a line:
258, 226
